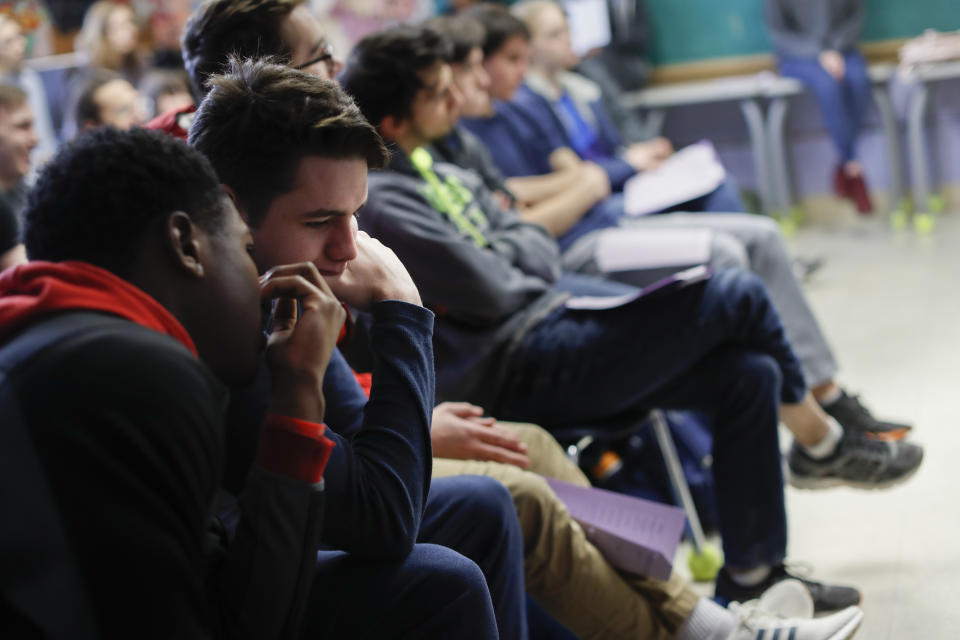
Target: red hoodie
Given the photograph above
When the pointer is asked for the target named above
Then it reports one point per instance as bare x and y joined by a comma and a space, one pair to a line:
175, 123
30, 292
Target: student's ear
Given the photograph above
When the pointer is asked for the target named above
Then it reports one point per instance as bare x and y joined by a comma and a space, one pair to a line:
393, 128
227, 189
186, 243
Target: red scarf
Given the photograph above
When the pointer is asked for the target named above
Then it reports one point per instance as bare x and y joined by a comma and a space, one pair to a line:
31, 291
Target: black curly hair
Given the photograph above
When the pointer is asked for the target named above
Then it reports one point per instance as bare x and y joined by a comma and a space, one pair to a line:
94, 200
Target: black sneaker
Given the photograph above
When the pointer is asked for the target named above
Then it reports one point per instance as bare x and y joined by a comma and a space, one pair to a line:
851, 414
804, 267
859, 462
826, 597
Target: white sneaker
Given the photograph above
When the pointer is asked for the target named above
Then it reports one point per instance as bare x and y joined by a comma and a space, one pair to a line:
757, 624
787, 599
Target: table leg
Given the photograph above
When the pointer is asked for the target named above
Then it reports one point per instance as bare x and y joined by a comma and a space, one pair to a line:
753, 116
917, 148
891, 134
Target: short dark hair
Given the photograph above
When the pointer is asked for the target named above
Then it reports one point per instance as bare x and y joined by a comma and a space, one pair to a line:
11, 96
95, 198
465, 34
158, 83
261, 118
219, 29
383, 71
499, 25
85, 107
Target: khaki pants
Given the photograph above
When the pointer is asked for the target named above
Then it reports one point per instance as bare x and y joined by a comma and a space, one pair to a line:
565, 573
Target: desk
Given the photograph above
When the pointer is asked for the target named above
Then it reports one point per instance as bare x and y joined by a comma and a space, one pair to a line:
779, 92
747, 90
926, 75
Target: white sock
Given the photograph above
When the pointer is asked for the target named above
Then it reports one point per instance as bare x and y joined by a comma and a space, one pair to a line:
750, 577
709, 621
830, 398
828, 444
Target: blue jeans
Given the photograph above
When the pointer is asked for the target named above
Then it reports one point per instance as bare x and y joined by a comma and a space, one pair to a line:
434, 592
475, 515
843, 103
716, 346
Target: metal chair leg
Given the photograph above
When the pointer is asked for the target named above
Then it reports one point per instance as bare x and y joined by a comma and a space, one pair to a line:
677, 480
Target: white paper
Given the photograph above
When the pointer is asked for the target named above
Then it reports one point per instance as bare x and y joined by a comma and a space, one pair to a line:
632, 248
678, 279
589, 24
692, 172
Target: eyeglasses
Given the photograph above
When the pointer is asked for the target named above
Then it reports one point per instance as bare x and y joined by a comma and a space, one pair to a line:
325, 56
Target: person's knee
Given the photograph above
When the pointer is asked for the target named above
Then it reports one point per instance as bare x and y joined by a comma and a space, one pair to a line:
738, 285
487, 501
759, 371
727, 252
534, 500
448, 572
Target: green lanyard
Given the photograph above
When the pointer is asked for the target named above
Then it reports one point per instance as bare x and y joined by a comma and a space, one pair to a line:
450, 198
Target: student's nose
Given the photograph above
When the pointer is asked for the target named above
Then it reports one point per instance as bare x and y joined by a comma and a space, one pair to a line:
342, 244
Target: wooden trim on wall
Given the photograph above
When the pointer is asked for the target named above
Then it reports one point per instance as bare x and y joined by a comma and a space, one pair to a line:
874, 52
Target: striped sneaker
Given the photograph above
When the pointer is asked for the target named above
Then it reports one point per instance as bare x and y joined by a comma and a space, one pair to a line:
756, 623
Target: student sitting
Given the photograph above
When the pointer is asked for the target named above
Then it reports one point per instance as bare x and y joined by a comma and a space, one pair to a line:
18, 139
565, 112
106, 99
13, 48
508, 342
392, 518
287, 105
140, 303
745, 241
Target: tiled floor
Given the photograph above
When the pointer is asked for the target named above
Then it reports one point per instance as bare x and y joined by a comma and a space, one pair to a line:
890, 303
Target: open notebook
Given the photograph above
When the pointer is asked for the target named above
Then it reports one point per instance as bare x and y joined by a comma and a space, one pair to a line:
690, 173
634, 535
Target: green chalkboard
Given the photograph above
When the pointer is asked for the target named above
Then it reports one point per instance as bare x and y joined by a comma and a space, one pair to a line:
689, 30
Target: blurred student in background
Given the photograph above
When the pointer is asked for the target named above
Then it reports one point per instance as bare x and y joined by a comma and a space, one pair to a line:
816, 42
109, 39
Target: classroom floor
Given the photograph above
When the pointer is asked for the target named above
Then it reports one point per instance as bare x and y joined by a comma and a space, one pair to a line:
889, 303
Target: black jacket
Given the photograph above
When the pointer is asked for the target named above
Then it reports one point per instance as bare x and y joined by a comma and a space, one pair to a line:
129, 431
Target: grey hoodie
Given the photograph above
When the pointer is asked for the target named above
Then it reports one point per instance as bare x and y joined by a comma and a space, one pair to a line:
487, 289
804, 28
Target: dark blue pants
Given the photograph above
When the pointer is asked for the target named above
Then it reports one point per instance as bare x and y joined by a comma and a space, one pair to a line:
434, 592
716, 346
843, 104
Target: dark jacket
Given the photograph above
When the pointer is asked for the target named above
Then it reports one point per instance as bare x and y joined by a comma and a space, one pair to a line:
128, 427
378, 475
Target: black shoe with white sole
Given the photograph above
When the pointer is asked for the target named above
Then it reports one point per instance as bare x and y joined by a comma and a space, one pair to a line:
859, 461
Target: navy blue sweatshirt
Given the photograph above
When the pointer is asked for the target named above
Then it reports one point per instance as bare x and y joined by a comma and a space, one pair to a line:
378, 475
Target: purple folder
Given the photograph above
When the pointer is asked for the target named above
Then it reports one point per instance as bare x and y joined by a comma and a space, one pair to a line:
634, 535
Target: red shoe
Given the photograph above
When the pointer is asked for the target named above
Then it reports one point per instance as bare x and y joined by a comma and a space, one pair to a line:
857, 189
840, 186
